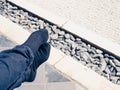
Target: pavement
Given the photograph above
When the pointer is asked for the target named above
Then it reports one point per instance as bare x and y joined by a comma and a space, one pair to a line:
100, 16
47, 77
62, 62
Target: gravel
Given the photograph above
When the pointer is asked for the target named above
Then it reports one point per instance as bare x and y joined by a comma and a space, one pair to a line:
67, 36
54, 36
102, 62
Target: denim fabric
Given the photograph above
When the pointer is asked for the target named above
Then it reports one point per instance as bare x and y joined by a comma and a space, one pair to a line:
16, 67
20, 63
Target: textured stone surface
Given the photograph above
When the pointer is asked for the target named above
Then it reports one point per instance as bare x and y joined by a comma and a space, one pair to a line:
53, 76
100, 16
90, 55
5, 43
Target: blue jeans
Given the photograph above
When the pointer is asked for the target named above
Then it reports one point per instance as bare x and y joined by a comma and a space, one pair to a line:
16, 67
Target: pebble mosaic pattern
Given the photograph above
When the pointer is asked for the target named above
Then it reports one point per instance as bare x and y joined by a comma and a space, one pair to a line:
86, 53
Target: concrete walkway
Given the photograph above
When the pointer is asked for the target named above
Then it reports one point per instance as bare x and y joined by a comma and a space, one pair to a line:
100, 16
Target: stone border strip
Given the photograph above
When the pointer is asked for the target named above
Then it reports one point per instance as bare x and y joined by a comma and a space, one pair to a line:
67, 24
85, 76
12, 31
65, 64
42, 13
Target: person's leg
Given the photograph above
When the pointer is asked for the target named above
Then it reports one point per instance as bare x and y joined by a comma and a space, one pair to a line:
13, 63
20, 63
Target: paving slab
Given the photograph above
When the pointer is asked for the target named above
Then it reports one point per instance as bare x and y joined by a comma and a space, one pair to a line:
84, 75
13, 31
93, 37
53, 76
79, 87
32, 87
99, 16
41, 12
60, 86
55, 57
40, 76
